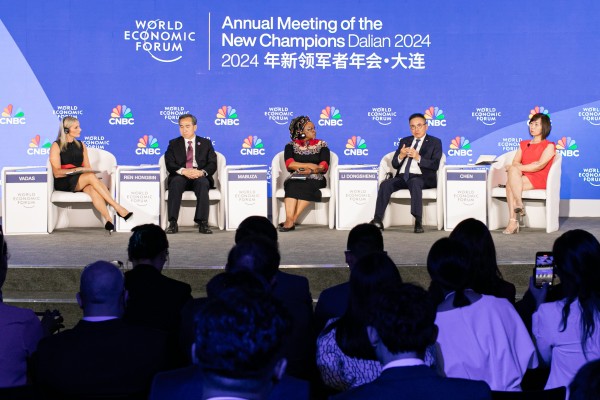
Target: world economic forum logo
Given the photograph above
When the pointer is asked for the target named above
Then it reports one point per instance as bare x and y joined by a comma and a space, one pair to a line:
567, 147
253, 146
121, 115
227, 115
435, 116
162, 40
330, 116
537, 110
460, 146
356, 146
36, 149
10, 116
591, 115
147, 145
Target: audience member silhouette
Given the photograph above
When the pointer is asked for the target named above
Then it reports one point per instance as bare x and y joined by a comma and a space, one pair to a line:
586, 384
345, 356
102, 355
485, 275
362, 240
400, 328
567, 332
481, 337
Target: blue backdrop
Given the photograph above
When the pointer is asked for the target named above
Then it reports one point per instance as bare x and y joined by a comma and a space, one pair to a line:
477, 69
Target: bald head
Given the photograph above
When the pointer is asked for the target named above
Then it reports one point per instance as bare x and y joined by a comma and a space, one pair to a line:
101, 289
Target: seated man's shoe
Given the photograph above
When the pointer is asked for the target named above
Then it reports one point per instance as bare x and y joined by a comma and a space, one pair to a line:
377, 222
419, 227
203, 228
284, 229
172, 228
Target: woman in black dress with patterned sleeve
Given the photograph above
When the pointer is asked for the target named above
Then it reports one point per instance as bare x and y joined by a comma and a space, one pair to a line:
308, 156
72, 171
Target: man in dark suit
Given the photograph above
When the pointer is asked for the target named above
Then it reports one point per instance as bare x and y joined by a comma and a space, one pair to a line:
191, 162
416, 160
400, 328
363, 239
102, 355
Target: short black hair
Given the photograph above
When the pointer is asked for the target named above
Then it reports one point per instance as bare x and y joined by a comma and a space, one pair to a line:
364, 239
448, 267
255, 225
586, 385
404, 318
546, 123
257, 254
146, 241
194, 120
416, 115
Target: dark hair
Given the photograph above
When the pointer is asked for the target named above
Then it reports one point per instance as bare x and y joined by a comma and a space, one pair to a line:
404, 318
586, 385
448, 268
146, 241
364, 239
297, 126
194, 120
577, 260
416, 115
256, 225
481, 254
372, 273
239, 279
257, 254
239, 333
546, 124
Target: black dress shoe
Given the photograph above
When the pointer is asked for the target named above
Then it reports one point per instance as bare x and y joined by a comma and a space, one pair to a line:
203, 228
284, 229
172, 228
419, 228
377, 222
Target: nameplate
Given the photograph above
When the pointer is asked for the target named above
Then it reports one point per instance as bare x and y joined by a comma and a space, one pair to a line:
466, 176
26, 178
247, 176
357, 176
140, 177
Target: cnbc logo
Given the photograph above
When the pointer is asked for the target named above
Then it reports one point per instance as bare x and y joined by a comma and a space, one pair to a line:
227, 116
330, 116
121, 115
147, 145
460, 146
356, 146
253, 146
567, 147
435, 116
12, 117
537, 110
35, 148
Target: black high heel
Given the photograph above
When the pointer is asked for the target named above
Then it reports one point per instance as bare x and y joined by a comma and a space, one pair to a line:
109, 226
129, 214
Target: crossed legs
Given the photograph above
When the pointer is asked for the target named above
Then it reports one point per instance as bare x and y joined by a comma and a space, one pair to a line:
515, 184
91, 185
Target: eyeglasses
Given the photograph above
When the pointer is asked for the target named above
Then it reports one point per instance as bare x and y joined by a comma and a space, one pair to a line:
417, 127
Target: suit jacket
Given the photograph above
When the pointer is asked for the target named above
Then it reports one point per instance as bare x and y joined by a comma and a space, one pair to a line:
332, 303
186, 383
431, 154
418, 382
206, 158
99, 358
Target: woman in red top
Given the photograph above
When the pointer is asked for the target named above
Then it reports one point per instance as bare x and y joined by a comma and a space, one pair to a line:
529, 169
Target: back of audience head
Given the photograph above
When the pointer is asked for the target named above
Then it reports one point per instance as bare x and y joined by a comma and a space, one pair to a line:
476, 237
257, 254
371, 274
577, 260
148, 244
101, 290
224, 281
586, 384
256, 225
239, 335
362, 240
449, 270
403, 319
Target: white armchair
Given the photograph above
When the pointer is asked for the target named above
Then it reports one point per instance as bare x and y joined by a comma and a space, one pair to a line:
216, 215
322, 213
67, 209
541, 205
398, 210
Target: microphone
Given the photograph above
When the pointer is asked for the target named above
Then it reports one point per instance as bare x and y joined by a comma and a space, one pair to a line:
528, 144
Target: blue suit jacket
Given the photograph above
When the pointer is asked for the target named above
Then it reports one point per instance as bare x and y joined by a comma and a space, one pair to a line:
431, 154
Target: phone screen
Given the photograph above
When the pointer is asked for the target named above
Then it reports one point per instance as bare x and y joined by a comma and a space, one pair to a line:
544, 268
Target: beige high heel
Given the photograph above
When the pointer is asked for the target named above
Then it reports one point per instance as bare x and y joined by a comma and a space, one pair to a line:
511, 232
520, 211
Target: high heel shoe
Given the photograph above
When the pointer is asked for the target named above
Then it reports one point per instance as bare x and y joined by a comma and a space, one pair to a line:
129, 214
109, 226
520, 210
511, 232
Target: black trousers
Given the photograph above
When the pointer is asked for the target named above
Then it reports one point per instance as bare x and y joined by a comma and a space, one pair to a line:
415, 186
179, 184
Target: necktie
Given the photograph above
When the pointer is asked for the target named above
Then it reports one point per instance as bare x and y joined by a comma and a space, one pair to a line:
189, 156
407, 169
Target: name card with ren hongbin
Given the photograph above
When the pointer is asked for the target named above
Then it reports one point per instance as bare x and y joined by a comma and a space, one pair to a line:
246, 194
25, 202
139, 192
356, 196
465, 195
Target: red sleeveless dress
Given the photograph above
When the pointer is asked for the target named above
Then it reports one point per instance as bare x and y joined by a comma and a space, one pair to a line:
533, 152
